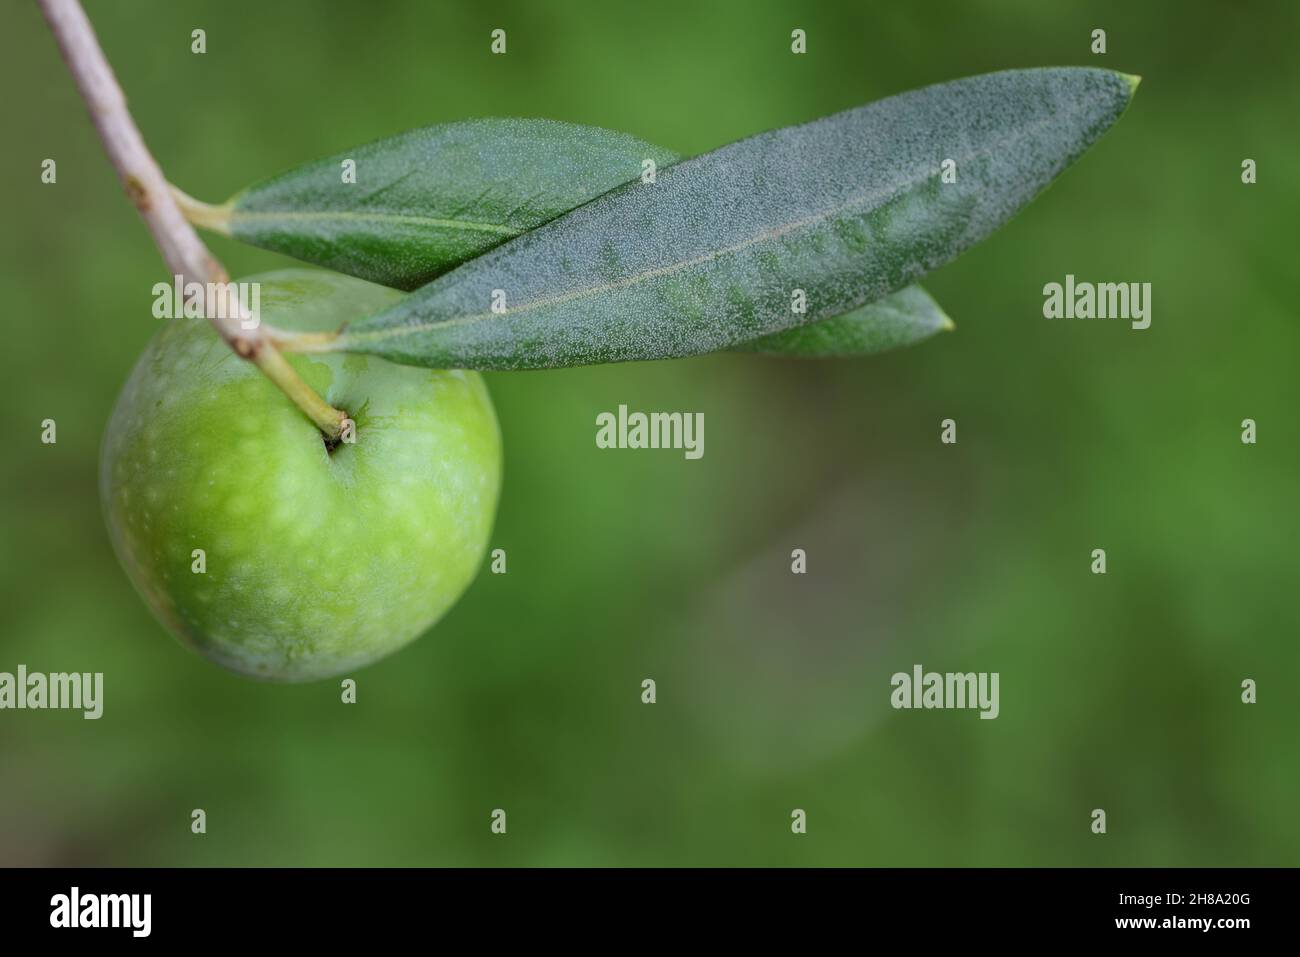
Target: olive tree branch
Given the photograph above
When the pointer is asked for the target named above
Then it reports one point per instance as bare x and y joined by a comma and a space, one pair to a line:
181, 248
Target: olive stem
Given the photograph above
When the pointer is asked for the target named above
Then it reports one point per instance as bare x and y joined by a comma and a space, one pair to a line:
276, 368
181, 248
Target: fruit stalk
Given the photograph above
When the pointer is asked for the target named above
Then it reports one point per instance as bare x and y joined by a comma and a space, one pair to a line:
181, 248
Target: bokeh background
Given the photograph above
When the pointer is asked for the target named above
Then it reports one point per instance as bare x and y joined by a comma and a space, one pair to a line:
1119, 691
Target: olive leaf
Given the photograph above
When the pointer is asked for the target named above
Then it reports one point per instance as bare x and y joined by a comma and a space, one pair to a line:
900, 319
847, 209
429, 199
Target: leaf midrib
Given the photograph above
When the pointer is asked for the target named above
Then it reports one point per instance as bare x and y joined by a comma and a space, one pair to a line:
347, 216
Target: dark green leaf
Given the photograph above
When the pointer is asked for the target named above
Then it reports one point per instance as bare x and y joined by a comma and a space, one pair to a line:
848, 208
429, 199
900, 319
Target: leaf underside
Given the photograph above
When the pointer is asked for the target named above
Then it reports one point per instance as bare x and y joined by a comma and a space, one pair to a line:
848, 208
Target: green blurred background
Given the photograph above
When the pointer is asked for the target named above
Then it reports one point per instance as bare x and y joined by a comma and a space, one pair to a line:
1119, 691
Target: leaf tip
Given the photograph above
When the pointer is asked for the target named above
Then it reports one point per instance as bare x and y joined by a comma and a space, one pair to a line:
1132, 79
